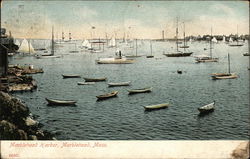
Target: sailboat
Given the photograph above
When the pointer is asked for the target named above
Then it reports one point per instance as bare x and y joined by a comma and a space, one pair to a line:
112, 42
52, 53
237, 41
17, 42
205, 58
150, 56
26, 47
224, 39
133, 56
184, 40
228, 75
178, 53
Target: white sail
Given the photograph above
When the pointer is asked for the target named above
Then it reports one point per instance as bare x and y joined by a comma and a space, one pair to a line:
17, 42
26, 47
88, 45
224, 39
230, 39
214, 40
85, 43
112, 42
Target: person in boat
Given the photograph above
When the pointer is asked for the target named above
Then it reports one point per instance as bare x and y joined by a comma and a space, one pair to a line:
120, 54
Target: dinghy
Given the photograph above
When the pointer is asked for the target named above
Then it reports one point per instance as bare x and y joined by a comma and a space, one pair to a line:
155, 107
119, 84
71, 76
85, 83
60, 102
207, 108
108, 95
94, 79
143, 90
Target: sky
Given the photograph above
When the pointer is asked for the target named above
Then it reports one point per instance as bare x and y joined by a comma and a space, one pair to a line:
134, 19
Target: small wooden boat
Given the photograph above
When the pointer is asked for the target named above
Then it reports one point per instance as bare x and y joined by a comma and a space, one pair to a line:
143, 90
155, 107
60, 102
71, 76
85, 83
219, 74
207, 108
108, 95
94, 79
119, 84
226, 76
150, 56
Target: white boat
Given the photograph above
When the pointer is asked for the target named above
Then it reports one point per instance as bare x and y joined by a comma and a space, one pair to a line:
155, 107
119, 84
112, 42
214, 40
60, 102
26, 47
119, 59
85, 83
17, 42
228, 75
142, 90
207, 108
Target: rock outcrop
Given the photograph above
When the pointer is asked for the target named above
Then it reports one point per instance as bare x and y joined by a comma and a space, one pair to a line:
16, 121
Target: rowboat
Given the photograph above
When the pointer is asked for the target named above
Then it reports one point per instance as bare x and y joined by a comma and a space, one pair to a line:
119, 84
60, 102
219, 74
143, 90
155, 107
71, 76
85, 83
94, 79
108, 95
207, 108
226, 76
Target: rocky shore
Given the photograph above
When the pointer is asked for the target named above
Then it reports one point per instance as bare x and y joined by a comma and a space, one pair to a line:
17, 122
17, 79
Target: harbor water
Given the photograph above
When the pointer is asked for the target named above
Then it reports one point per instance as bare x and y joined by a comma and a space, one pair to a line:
123, 117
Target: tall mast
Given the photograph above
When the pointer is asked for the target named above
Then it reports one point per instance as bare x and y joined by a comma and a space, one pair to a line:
237, 35
184, 41
52, 42
211, 44
136, 47
228, 63
151, 47
177, 35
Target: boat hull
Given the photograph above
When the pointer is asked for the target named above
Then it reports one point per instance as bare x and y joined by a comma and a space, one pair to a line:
179, 54
94, 79
71, 76
144, 90
207, 60
156, 107
119, 84
107, 96
60, 102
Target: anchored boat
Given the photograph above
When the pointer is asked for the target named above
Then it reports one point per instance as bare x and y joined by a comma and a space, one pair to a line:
155, 107
143, 90
60, 102
108, 95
